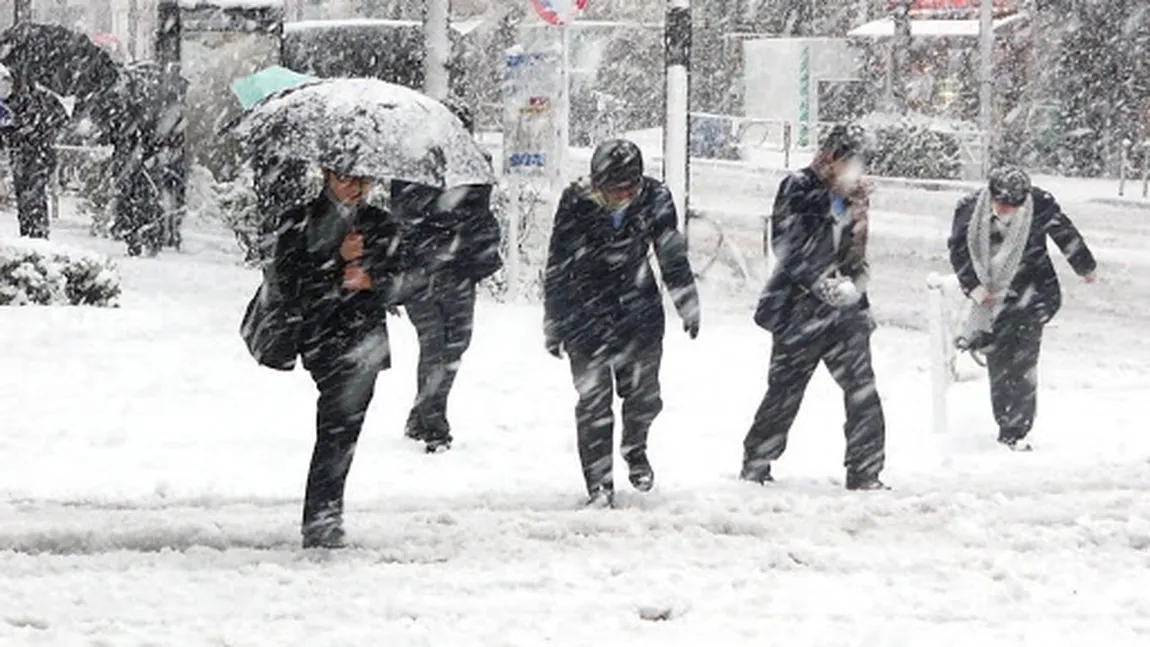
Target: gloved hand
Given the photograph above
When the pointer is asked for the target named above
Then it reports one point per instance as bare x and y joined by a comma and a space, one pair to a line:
691, 326
838, 292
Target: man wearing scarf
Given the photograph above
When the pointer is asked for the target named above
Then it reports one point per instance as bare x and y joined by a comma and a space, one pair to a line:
602, 305
816, 308
998, 250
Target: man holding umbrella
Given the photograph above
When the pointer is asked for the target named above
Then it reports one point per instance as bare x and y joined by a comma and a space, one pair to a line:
46, 62
339, 264
337, 267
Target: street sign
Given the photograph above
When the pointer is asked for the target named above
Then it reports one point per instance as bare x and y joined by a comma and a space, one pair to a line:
551, 11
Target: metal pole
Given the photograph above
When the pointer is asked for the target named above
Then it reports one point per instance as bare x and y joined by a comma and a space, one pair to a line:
172, 129
900, 56
986, 76
939, 357
559, 172
676, 128
133, 30
436, 49
22, 10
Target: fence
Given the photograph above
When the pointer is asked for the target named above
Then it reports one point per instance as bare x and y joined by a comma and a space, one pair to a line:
1128, 166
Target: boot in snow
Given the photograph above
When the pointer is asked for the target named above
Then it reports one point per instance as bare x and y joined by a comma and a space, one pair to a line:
641, 475
865, 483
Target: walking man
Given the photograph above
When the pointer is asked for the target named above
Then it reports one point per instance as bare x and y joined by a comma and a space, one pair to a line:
337, 268
37, 118
816, 308
458, 227
998, 250
604, 308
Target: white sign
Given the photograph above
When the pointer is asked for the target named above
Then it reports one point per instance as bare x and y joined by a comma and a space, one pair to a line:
531, 114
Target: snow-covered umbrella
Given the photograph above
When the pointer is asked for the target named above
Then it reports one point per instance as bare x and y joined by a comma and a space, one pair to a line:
252, 89
366, 127
64, 61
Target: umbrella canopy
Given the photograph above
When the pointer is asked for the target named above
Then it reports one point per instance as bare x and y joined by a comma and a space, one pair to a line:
253, 88
366, 127
63, 61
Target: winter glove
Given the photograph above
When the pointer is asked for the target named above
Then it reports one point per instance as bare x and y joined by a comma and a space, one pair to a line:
691, 326
838, 292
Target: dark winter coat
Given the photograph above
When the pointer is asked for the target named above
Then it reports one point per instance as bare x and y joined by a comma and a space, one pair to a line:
1035, 291
38, 118
803, 240
600, 291
456, 224
307, 280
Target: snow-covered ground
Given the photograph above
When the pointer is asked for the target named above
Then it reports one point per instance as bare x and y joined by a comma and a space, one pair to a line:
150, 477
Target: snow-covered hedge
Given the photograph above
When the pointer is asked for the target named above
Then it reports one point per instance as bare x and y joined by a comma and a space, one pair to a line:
911, 147
45, 273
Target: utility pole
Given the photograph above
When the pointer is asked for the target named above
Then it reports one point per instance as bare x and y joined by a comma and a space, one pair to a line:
22, 11
986, 78
676, 129
900, 56
436, 48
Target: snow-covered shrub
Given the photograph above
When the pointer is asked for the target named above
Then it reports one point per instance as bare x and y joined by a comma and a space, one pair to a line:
911, 147
96, 195
914, 150
45, 273
238, 211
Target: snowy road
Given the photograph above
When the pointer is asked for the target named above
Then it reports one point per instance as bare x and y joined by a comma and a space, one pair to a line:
150, 475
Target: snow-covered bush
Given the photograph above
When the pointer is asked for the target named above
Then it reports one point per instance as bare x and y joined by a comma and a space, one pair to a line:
238, 211
911, 147
96, 195
915, 150
45, 273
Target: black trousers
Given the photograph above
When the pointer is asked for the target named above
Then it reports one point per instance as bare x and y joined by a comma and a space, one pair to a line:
32, 169
345, 391
634, 375
443, 321
1012, 362
843, 345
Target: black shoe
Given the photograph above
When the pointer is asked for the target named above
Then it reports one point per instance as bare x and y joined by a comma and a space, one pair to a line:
325, 533
865, 483
437, 445
414, 432
641, 475
757, 472
1016, 444
601, 496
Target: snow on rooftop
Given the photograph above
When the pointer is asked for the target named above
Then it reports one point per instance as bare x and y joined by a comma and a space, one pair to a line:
884, 28
306, 25
229, 4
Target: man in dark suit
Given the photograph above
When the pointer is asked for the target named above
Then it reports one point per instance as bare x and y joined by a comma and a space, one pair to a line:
337, 269
998, 250
604, 308
816, 308
456, 226
38, 117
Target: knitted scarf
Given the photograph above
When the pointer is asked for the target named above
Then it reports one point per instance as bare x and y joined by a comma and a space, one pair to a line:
995, 269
